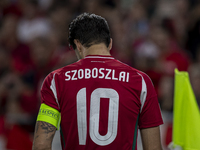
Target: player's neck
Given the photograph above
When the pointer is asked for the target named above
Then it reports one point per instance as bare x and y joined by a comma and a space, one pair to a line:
97, 49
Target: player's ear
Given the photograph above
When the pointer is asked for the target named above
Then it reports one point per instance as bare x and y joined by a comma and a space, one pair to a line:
110, 45
78, 44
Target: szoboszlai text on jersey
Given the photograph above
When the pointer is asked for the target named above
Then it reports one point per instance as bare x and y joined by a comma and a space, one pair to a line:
101, 73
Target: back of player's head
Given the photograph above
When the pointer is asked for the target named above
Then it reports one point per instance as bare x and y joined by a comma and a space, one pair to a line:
89, 29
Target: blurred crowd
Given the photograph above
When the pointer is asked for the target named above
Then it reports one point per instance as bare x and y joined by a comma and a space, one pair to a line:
154, 36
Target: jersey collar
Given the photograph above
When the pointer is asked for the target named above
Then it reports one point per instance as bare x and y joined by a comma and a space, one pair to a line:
99, 56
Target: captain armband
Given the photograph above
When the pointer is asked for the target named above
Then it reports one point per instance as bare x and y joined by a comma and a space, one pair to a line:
49, 115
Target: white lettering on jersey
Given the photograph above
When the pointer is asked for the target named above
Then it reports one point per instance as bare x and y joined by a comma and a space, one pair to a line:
94, 73
108, 73
87, 73
81, 116
111, 134
102, 74
113, 75
122, 76
94, 117
73, 77
127, 77
68, 76
80, 74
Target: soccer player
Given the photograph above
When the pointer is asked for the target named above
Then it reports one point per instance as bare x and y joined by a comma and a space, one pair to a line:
100, 101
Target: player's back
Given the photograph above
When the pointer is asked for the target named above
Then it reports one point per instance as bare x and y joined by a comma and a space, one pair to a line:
100, 100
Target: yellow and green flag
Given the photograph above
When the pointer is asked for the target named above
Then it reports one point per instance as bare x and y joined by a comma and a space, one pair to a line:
186, 121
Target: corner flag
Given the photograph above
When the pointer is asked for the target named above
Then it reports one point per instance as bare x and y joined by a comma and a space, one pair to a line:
186, 122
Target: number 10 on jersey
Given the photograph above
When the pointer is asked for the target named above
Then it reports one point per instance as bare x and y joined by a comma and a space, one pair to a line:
95, 97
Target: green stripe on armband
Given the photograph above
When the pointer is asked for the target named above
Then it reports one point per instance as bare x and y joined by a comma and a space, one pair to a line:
49, 115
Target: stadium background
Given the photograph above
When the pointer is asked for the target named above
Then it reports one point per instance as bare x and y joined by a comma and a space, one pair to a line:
154, 36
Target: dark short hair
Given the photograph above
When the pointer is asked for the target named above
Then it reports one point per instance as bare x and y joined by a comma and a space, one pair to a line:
89, 29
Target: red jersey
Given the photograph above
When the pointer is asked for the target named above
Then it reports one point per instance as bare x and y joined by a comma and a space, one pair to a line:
102, 102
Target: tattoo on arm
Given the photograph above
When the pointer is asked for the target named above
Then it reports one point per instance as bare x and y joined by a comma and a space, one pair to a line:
48, 128
44, 133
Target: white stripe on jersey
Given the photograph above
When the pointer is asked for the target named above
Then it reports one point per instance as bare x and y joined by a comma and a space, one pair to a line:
143, 93
99, 57
53, 88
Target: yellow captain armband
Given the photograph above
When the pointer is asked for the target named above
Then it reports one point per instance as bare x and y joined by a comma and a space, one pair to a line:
49, 115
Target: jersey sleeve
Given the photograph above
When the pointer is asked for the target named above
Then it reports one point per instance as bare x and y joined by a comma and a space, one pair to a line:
49, 92
150, 114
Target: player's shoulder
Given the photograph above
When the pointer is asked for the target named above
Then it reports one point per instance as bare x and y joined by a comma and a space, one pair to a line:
146, 78
128, 67
61, 71
134, 71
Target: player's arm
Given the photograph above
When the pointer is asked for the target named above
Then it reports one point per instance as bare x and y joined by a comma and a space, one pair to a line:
43, 137
48, 121
151, 138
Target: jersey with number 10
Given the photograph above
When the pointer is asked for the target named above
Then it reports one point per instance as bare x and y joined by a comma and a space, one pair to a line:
102, 102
